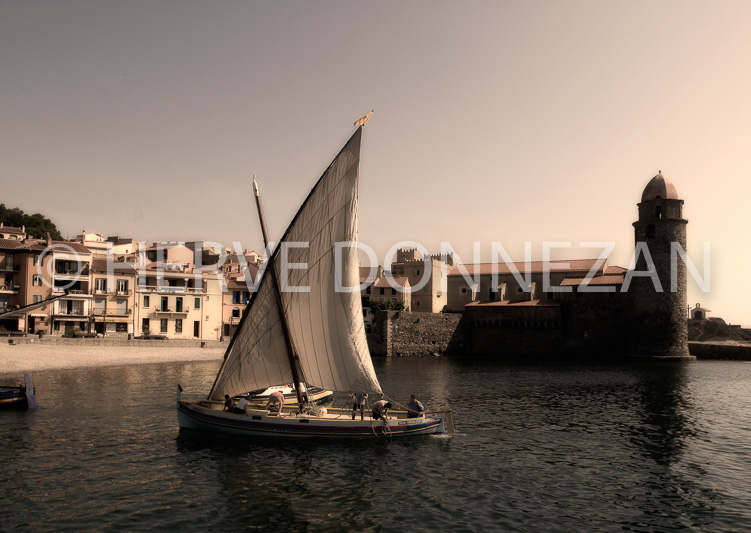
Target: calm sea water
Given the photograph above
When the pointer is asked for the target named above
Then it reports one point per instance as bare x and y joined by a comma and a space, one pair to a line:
538, 448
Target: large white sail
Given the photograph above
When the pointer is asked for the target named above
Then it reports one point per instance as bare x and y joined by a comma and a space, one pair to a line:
326, 325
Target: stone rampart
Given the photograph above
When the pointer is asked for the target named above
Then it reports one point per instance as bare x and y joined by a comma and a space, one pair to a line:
720, 350
402, 333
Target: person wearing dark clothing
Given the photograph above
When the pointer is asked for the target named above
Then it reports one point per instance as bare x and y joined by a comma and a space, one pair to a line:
414, 407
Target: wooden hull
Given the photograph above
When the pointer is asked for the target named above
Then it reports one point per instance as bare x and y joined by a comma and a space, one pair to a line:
13, 398
336, 423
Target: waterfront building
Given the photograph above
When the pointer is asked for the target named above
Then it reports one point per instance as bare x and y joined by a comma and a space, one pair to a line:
501, 282
177, 301
237, 293
24, 281
113, 284
426, 276
71, 269
379, 289
619, 311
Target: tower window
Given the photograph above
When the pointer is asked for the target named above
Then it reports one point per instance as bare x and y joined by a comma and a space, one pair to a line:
658, 212
650, 231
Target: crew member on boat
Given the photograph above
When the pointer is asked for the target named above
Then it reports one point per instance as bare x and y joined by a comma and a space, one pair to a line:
276, 402
242, 403
414, 407
381, 410
358, 404
229, 403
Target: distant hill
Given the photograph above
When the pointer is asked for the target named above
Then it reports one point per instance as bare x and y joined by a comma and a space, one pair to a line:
37, 225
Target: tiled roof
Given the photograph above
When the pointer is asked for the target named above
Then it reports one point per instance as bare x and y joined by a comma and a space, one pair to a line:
384, 282
523, 303
535, 267
75, 246
12, 229
616, 279
9, 244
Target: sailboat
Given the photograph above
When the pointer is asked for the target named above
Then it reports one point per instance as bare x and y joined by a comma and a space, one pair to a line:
304, 325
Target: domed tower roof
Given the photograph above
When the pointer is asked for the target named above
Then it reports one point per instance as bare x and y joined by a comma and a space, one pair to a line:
659, 186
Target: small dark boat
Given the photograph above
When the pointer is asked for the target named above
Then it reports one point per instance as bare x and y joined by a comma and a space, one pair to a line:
21, 397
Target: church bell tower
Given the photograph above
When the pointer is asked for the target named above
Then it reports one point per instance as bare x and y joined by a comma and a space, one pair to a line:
660, 325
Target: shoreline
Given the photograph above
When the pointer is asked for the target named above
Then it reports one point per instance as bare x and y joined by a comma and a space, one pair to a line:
35, 357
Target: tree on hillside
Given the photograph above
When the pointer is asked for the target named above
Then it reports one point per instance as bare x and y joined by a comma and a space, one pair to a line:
37, 225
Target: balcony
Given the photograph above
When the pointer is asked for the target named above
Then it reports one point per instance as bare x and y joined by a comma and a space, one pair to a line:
5, 267
9, 289
169, 290
70, 312
171, 313
71, 292
101, 311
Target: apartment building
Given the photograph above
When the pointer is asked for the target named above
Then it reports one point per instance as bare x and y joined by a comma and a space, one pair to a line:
71, 270
176, 300
113, 284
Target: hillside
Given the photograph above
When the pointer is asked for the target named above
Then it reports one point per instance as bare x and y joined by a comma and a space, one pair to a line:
715, 329
37, 225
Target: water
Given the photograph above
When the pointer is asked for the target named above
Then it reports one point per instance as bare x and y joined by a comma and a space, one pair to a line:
538, 448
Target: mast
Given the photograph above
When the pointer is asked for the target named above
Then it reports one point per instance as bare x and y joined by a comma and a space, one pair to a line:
277, 293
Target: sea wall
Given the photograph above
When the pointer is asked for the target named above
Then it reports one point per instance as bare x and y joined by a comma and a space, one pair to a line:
402, 333
720, 350
113, 341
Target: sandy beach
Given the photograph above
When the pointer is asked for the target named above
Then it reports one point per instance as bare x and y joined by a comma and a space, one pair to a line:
16, 359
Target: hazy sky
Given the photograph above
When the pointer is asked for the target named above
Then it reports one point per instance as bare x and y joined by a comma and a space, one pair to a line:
506, 121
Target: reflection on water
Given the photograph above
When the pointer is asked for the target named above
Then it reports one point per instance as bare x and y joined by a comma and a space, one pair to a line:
553, 447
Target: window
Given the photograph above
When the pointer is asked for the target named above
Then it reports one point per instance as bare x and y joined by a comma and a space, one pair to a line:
178, 325
37, 280
236, 313
381, 291
235, 297
393, 291
100, 285
122, 286
651, 231
197, 303
146, 302
145, 325
165, 303
121, 327
367, 290
179, 304
464, 290
36, 298
36, 260
100, 306
122, 307
417, 272
163, 325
